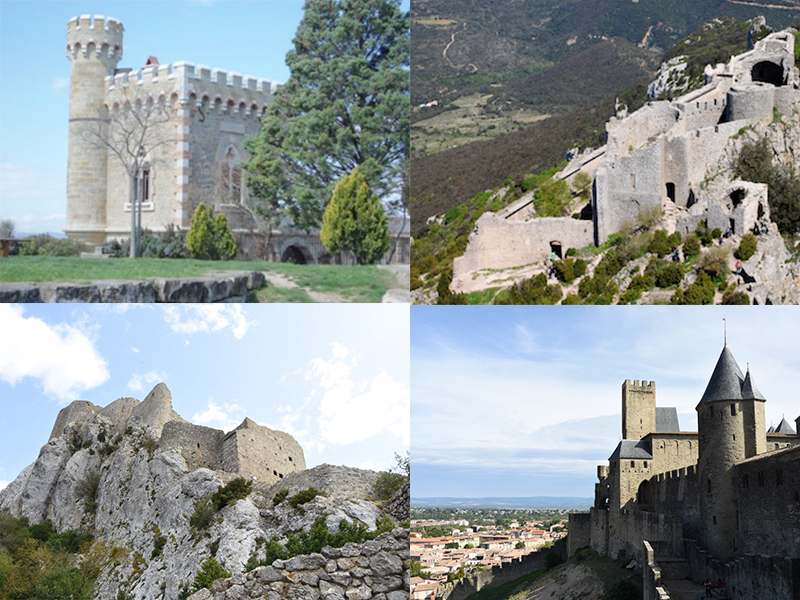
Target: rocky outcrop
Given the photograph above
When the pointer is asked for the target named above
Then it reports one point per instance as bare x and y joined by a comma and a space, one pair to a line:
218, 288
375, 570
147, 491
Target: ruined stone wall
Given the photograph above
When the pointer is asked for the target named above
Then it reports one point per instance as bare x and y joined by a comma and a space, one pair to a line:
257, 451
378, 569
702, 112
768, 494
498, 575
81, 411
399, 506
498, 243
200, 446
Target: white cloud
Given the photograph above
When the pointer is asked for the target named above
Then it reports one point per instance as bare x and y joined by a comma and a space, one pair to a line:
368, 465
186, 343
62, 357
59, 83
138, 381
208, 318
351, 411
134, 350
215, 416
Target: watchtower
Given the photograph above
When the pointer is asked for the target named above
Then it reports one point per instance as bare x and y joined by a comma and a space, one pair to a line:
638, 409
94, 47
731, 427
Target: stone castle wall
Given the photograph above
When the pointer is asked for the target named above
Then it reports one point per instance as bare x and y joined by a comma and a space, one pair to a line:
377, 570
201, 447
498, 243
627, 529
257, 451
580, 532
768, 490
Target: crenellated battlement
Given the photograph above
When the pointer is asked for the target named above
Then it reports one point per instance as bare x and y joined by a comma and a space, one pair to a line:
95, 36
646, 386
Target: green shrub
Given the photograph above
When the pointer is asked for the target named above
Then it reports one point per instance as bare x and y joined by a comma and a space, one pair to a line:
237, 489
571, 300
747, 247
87, 489
659, 245
387, 484
579, 268
209, 237
674, 239
280, 497
700, 292
63, 583
715, 262
534, 290
158, 546
564, 269
47, 245
691, 246
302, 497
669, 275
204, 510
732, 296
210, 571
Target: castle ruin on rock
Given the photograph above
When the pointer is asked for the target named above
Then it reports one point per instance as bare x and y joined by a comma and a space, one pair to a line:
250, 450
662, 157
192, 121
719, 503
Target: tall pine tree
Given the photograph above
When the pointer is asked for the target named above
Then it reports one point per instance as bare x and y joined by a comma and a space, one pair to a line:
346, 105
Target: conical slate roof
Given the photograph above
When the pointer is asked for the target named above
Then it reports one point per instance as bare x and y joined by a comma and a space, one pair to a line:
726, 381
749, 389
785, 428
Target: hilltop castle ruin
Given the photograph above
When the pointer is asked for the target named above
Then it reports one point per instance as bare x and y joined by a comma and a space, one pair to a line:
250, 450
719, 503
663, 157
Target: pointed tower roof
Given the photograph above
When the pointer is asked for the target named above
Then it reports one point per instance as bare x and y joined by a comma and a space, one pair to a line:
726, 380
785, 428
749, 389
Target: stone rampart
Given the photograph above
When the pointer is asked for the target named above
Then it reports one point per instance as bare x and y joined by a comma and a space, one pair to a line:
653, 589
498, 575
627, 529
376, 570
676, 494
221, 288
201, 447
580, 532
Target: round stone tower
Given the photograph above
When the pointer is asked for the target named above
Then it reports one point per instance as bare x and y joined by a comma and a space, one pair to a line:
94, 46
730, 422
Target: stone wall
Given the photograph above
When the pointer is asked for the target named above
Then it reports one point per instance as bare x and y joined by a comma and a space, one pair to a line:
768, 491
461, 589
627, 529
400, 504
749, 577
376, 570
580, 532
498, 243
676, 494
201, 447
257, 451
233, 287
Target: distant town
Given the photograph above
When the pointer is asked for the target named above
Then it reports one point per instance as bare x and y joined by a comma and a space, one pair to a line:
449, 544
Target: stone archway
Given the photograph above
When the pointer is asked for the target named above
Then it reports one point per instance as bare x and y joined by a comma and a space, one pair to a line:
296, 254
768, 72
556, 248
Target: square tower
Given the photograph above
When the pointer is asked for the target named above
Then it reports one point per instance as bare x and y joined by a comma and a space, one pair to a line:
638, 409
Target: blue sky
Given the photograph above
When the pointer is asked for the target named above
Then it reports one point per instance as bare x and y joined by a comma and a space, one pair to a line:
334, 376
525, 401
250, 37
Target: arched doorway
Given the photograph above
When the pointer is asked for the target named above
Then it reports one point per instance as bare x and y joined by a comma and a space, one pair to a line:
768, 72
555, 248
671, 191
294, 254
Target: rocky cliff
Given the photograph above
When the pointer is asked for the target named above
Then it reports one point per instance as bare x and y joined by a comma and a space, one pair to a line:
105, 471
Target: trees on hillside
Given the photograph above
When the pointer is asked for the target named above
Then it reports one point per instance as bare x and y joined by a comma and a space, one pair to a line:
346, 105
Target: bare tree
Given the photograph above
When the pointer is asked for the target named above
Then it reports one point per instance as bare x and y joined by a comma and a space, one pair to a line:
133, 130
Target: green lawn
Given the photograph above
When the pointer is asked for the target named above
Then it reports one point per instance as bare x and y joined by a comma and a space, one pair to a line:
351, 283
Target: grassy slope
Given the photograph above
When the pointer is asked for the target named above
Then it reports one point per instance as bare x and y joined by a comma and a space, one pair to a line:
356, 283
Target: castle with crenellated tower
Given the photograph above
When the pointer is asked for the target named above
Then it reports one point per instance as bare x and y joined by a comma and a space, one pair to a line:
192, 148
719, 503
